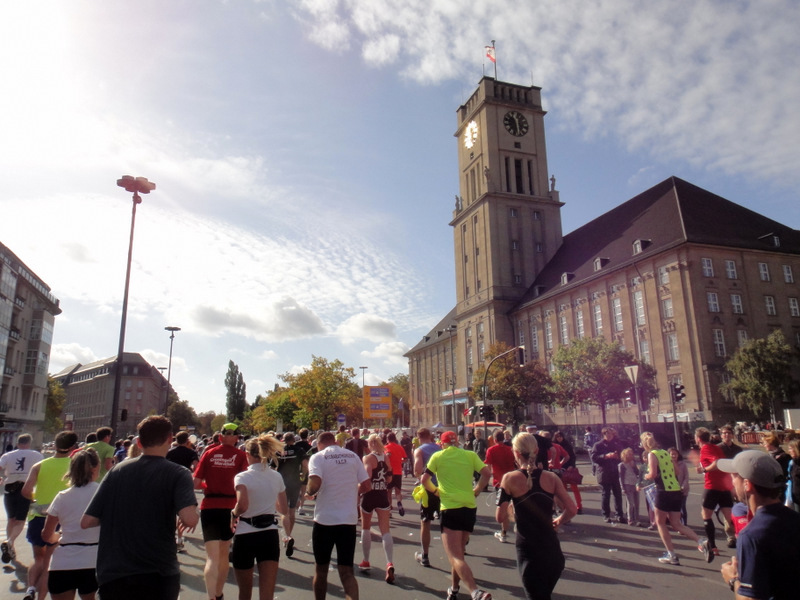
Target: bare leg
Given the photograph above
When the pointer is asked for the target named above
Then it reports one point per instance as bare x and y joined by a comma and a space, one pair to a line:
425, 536
320, 583
349, 583
454, 543
217, 565
244, 581
267, 575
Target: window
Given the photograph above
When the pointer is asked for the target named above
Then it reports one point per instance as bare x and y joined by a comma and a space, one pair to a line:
597, 313
637, 247
719, 342
539, 247
617, 306
769, 302
672, 347
514, 245
481, 350
534, 341
513, 212
521, 329
741, 337
788, 276
638, 303
730, 269
479, 327
548, 335
563, 330
794, 308
517, 279
736, 304
708, 267
537, 215
580, 332
713, 302
763, 271
666, 308
663, 276
644, 350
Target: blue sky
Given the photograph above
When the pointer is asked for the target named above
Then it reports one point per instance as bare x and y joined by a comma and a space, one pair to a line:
306, 165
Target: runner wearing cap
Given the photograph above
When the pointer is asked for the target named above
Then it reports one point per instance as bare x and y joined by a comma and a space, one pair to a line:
768, 548
214, 475
453, 468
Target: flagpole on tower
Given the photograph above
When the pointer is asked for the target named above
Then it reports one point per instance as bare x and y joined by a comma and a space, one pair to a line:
490, 54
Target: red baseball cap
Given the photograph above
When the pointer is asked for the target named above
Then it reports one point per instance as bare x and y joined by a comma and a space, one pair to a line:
449, 437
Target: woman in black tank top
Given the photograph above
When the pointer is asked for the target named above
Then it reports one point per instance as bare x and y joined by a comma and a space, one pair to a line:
531, 490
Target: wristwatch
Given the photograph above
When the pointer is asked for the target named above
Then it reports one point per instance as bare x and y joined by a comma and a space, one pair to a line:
732, 582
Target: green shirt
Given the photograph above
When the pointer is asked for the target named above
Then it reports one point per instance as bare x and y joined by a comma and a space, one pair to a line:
453, 468
104, 451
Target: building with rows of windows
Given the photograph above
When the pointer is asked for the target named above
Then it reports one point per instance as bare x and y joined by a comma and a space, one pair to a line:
27, 317
677, 275
89, 393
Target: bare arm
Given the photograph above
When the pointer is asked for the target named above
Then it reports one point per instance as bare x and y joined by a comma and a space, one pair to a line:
198, 483
188, 515
485, 474
314, 483
30, 483
49, 534
652, 466
419, 463
282, 504
88, 521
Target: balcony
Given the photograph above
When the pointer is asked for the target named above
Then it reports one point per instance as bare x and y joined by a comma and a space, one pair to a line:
8, 372
19, 302
4, 407
14, 334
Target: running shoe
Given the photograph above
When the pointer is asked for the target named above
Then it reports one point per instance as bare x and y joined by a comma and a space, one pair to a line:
705, 548
179, 545
389, 573
30, 594
4, 547
364, 565
452, 594
481, 595
731, 542
715, 551
501, 535
301, 512
400, 509
422, 559
669, 559
289, 547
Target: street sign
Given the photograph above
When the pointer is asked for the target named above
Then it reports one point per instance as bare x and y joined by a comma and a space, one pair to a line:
633, 373
315, 425
377, 402
341, 419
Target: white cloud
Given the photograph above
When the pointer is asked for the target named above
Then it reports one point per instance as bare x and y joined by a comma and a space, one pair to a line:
391, 353
366, 326
711, 83
65, 355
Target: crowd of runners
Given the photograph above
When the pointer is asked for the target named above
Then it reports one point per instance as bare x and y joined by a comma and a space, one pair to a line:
113, 520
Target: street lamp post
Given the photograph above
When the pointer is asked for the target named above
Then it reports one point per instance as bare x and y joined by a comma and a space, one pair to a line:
135, 185
172, 331
485, 375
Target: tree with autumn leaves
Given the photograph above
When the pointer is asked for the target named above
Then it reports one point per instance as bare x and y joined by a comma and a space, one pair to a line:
592, 371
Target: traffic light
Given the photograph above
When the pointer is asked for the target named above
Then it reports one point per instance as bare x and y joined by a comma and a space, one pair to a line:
521, 356
629, 397
124, 415
489, 413
678, 393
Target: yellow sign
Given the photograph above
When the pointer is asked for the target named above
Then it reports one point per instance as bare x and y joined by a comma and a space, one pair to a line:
377, 402
315, 425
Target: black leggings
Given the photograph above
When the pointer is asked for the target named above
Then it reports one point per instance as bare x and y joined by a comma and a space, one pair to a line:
539, 571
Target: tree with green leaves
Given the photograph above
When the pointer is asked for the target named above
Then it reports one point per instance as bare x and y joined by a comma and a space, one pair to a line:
277, 405
517, 386
322, 391
181, 414
761, 371
56, 398
236, 398
592, 371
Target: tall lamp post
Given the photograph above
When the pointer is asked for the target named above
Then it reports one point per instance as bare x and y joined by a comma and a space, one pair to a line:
486, 374
172, 331
135, 185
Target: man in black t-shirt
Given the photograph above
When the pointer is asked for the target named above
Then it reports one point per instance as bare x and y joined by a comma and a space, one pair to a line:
183, 454
293, 467
357, 444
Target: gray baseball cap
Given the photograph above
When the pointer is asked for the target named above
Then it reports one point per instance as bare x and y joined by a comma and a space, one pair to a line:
756, 466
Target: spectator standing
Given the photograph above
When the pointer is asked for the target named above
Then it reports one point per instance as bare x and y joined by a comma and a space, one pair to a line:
628, 479
500, 459
560, 439
768, 550
335, 478
44, 481
606, 458
214, 475
430, 509
15, 467
260, 496
453, 468
135, 507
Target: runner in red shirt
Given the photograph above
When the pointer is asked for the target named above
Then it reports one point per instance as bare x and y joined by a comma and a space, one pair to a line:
718, 485
501, 460
396, 457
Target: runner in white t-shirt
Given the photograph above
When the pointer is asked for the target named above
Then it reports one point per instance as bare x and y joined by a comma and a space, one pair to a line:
336, 476
15, 466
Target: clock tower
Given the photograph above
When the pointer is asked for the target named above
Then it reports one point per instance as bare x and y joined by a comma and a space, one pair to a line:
507, 218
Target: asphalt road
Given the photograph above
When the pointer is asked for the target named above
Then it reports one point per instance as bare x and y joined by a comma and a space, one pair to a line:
603, 561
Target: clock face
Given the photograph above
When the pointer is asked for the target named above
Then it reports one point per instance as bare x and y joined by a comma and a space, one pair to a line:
471, 134
515, 123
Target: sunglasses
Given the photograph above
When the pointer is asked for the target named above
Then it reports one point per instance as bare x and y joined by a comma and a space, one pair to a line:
229, 432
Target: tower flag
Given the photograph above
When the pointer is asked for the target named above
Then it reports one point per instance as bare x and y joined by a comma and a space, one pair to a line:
490, 54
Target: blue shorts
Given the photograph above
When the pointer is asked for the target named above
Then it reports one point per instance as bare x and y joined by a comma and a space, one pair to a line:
34, 534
